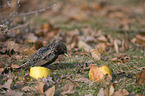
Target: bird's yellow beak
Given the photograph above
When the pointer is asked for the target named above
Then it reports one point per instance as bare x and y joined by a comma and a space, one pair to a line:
66, 55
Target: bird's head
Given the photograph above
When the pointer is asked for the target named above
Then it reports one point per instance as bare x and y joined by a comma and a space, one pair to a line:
60, 49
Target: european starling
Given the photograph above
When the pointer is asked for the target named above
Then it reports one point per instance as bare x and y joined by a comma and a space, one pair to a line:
46, 55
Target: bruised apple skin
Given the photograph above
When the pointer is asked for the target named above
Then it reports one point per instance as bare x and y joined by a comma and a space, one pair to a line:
97, 73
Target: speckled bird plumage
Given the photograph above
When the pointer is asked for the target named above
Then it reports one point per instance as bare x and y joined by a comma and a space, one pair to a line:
45, 55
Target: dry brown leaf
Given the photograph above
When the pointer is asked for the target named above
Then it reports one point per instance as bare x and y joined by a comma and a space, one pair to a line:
84, 6
95, 54
140, 77
1, 70
31, 38
114, 59
79, 15
85, 46
109, 38
68, 92
57, 7
107, 80
73, 33
123, 45
89, 39
120, 92
106, 92
101, 92
109, 44
102, 38
68, 89
39, 32
14, 66
96, 6
40, 85
116, 46
18, 57
140, 39
138, 95
50, 91
54, 34
46, 27
29, 51
88, 31
74, 41
109, 91
124, 24
12, 45
75, 14
28, 88
116, 14
13, 93
101, 47
81, 79
133, 40
7, 84
38, 44
137, 57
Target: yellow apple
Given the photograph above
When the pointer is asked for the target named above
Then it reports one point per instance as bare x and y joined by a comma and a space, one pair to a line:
39, 72
97, 73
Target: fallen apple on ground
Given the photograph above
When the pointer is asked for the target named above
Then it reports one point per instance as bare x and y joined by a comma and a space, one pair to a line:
39, 72
97, 73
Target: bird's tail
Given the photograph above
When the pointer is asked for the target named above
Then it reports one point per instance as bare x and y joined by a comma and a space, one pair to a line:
24, 66
10, 69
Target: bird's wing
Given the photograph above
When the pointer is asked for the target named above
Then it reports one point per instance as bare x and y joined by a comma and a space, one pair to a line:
47, 53
36, 57
47, 60
39, 54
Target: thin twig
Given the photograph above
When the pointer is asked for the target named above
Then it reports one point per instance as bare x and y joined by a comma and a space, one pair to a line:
28, 13
19, 26
10, 30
